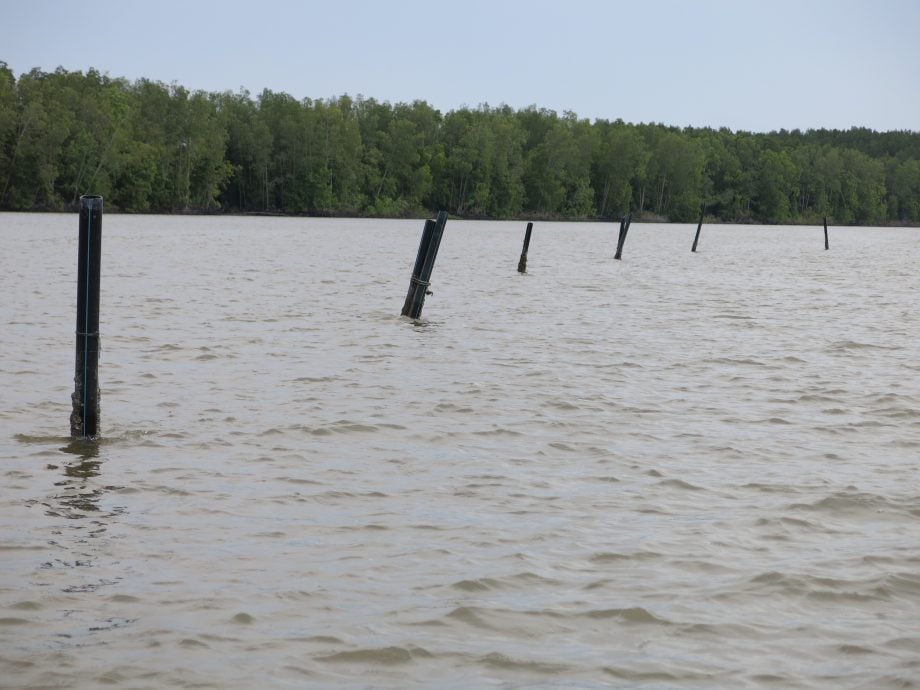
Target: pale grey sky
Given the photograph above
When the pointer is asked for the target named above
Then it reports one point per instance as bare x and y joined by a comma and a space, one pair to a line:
743, 64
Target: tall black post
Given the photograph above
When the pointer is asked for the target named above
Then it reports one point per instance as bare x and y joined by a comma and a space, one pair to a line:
699, 225
84, 419
522, 264
624, 228
826, 243
424, 263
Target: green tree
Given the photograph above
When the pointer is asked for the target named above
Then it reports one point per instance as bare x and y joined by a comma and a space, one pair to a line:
288, 172
340, 140
675, 173
8, 128
776, 186
479, 174
557, 175
150, 147
620, 165
905, 190
864, 187
44, 123
723, 176
506, 187
204, 151
398, 155
249, 145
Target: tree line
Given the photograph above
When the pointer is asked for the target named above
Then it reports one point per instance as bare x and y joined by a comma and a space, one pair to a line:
148, 147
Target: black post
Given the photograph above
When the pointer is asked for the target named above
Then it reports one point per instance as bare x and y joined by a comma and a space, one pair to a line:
424, 263
624, 228
84, 419
699, 225
522, 264
826, 243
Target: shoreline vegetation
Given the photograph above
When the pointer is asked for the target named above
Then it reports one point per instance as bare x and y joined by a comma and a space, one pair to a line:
147, 147
640, 219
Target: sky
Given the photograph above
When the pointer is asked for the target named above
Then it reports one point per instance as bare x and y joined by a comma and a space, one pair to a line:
753, 65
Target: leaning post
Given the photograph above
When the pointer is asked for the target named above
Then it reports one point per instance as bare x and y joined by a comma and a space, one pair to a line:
826, 243
424, 263
624, 228
522, 264
84, 419
699, 226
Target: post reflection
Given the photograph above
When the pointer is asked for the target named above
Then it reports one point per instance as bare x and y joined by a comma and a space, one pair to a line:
81, 517
78, 495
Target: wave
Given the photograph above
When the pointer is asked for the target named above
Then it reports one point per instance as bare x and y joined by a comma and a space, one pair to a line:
504, 662
633, 614
385, 656
853, 503
849, 345
887, 586
617, 557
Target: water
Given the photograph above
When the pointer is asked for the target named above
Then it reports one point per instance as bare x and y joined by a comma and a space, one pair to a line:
672, 471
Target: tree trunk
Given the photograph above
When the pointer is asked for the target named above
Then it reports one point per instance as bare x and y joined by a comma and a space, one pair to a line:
607, 184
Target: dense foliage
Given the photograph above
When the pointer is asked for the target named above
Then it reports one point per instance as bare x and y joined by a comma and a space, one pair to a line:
149, 147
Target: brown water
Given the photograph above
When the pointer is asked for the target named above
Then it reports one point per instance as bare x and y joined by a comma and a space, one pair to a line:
672, 471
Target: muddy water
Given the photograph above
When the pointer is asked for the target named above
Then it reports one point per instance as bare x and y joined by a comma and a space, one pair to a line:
672, 471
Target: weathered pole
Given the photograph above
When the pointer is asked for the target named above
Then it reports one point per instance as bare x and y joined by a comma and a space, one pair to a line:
696, 238
424, 263
522, 264
826, 243
624, 228
84, 419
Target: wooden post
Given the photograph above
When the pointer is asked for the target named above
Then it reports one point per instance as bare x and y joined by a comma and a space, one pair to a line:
424, 263
624, 228
84, 419
699, 225
522, 264
826, 243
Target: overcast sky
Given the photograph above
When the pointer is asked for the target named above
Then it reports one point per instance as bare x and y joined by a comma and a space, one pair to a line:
743, 64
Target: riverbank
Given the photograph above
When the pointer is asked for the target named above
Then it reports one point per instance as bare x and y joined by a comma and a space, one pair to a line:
526, 217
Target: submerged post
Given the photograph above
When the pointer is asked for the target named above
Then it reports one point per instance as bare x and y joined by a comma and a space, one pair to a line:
522, 264
699, 225
624, 228
84, 419
424, 263
826, 243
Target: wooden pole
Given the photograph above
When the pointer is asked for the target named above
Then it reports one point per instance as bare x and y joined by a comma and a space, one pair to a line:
826, 243
522, 264
84, 419
424, 263
699, 225
624, 228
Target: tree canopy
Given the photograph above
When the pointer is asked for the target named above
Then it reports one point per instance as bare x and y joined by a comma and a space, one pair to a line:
150, 147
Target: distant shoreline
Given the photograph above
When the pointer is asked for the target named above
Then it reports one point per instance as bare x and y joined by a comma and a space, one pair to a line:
644, 218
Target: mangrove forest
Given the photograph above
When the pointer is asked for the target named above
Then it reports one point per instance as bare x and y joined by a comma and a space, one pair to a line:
148, 147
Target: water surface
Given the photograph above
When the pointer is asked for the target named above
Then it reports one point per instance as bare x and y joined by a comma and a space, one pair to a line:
672, 471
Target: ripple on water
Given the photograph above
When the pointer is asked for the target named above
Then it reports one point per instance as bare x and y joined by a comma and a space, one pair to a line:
607, 481
385, 656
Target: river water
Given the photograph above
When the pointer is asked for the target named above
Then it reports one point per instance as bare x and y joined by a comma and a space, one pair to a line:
672, 471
